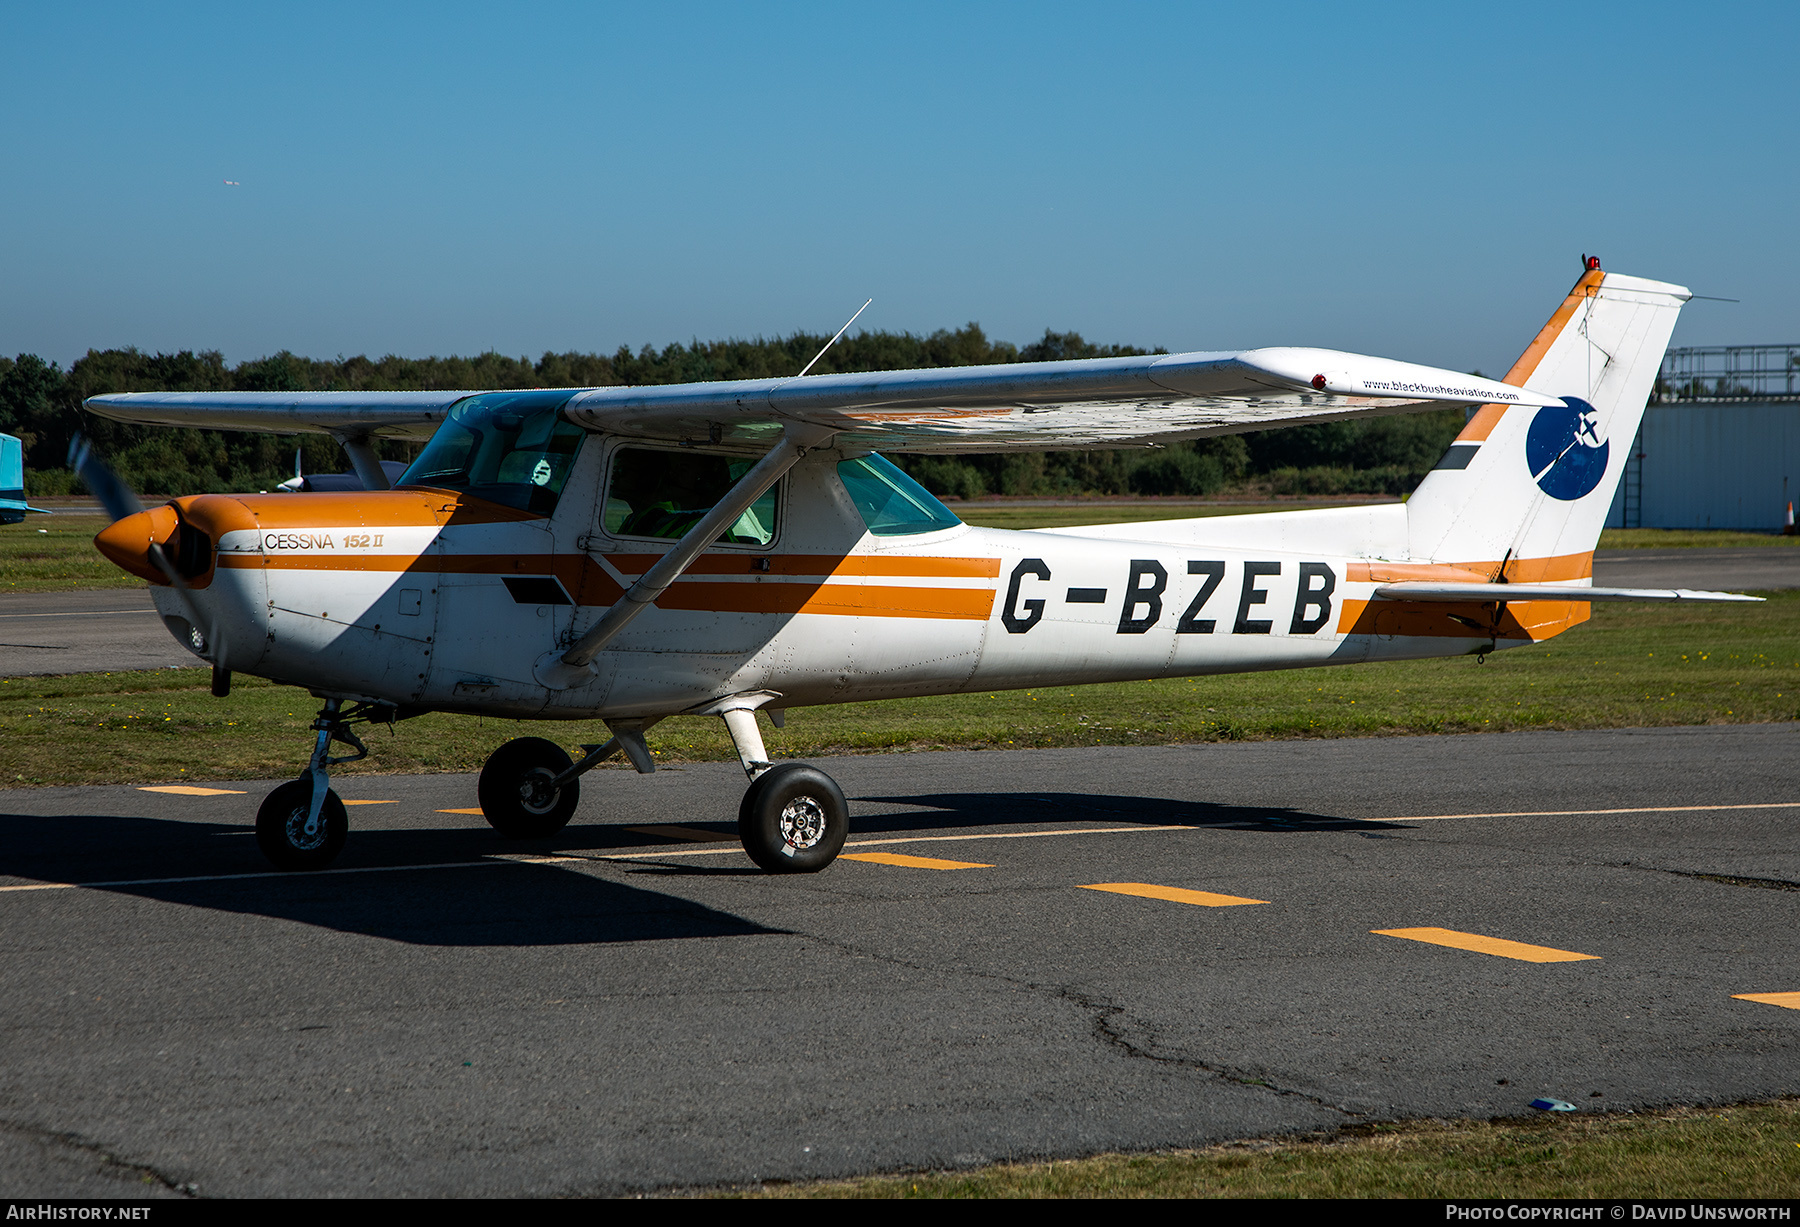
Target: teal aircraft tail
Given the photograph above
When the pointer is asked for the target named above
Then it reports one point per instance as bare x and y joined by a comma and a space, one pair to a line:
12, 481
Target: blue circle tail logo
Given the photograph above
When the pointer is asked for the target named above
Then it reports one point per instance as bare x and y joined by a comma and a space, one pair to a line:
1565, 451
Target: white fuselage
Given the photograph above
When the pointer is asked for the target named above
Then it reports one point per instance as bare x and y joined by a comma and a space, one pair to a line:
442, 607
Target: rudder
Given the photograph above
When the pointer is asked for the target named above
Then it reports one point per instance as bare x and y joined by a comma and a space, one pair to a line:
1531, 487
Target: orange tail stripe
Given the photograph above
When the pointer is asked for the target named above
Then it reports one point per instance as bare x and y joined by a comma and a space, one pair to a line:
1488, 416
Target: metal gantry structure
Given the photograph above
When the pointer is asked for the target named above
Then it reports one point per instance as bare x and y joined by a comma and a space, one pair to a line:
1720, 446
1704, 373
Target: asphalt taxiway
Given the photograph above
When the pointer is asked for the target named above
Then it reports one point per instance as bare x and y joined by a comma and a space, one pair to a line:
43, 633
1023, 953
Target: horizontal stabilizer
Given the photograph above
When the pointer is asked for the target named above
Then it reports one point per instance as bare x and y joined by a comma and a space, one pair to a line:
1420, 591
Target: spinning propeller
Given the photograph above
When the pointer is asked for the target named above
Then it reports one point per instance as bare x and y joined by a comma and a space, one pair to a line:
121, 504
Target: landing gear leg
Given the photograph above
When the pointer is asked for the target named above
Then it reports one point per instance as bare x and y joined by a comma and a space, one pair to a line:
302, 824
793, 818
529, 788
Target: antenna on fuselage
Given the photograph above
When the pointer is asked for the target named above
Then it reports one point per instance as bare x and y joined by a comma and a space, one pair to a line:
834, 340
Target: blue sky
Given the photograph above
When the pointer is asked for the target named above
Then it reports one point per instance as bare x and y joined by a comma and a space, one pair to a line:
1416, 181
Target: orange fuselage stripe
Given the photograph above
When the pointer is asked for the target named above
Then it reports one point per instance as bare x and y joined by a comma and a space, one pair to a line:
844, 600
589, 585
822, 566
1518, 570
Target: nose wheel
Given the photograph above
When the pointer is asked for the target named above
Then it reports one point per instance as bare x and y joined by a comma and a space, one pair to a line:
793, 819
302, 824
292, 836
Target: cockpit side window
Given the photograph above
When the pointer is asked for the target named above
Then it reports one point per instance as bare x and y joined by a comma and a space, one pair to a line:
663, 494
512, 448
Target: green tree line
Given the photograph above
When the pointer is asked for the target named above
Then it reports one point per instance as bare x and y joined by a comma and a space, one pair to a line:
41, 403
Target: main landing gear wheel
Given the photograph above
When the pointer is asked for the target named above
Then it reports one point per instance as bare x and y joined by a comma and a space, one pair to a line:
286, 838
793, 819
515, 790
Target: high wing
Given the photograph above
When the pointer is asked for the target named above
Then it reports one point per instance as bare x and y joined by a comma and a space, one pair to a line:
386, 415
1099, 402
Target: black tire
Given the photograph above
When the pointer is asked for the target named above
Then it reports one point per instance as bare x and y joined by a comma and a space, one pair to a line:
793, 819
514, 790
281, 827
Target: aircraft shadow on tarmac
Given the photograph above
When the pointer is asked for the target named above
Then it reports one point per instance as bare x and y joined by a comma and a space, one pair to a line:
447, 902
495, 904
945, 811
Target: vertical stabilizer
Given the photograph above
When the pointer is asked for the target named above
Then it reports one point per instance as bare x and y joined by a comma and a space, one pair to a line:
12, 481
1532, 486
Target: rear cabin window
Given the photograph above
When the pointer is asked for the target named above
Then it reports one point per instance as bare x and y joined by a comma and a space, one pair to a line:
663, 494
511, 448
891, 503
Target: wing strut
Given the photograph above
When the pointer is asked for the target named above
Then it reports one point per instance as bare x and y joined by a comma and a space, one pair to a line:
571, 667
363, 459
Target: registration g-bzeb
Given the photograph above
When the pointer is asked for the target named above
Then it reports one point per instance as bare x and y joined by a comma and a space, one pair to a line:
720, 549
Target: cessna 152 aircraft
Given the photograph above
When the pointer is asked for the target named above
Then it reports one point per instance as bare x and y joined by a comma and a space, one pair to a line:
715, 549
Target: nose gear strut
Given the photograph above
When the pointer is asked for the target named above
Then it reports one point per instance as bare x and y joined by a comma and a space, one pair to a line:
301, 824
331, 726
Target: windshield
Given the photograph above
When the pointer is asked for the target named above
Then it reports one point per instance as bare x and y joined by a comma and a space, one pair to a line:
512, 448
891, 503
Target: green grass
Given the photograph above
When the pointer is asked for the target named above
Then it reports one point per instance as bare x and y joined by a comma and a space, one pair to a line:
1632, 665
1682, 538
56, 554
1749, 1151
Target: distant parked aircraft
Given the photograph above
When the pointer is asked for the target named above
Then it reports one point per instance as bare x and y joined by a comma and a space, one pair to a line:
12, 481
303, 482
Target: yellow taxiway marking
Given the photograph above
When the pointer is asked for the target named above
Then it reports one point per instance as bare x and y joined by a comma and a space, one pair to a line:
371, 803
1174, 894
910, 839
1788, 1000
188, 790
911, 862
1576, 813
528, 859
693, 835
476, 810
293, 876
1487, 945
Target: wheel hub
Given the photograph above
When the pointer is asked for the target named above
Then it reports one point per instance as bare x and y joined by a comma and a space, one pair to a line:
802, 823
535, 793
303, 834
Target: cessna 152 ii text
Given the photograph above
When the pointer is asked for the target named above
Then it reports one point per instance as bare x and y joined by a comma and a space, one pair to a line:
718, 549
